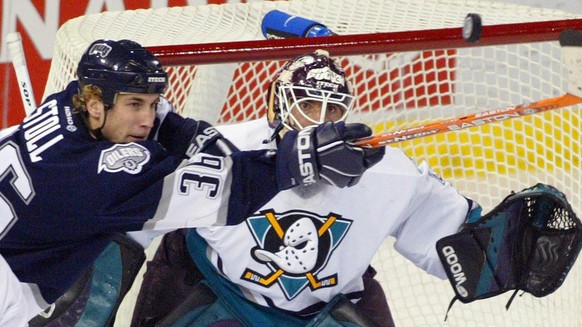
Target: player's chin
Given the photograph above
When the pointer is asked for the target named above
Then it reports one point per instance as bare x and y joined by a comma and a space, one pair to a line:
135, 138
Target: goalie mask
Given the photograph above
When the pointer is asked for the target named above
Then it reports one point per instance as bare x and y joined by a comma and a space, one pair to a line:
305, 84
121, 66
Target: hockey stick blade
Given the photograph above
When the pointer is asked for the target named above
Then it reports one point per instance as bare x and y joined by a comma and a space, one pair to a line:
477, 119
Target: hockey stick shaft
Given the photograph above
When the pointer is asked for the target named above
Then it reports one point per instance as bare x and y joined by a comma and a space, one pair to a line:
14, 42
477, 119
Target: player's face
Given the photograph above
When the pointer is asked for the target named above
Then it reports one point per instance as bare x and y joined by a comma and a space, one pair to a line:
131, 118
309, 112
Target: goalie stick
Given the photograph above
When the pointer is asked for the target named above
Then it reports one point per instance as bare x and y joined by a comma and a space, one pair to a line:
477, 119
571, 42
14, 42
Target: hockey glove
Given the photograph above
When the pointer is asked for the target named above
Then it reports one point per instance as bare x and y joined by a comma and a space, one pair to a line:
324, 153
528, 242
185, 137
208, 139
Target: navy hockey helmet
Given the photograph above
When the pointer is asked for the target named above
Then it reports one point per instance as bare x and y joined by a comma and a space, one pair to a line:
121, 66
308, 77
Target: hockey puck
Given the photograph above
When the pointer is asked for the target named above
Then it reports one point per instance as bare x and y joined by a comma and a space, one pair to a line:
472, 28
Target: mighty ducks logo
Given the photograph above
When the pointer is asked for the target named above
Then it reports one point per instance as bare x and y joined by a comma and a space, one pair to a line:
296, 246
128, 157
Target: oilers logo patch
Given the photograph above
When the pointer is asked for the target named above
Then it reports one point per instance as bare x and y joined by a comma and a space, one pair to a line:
128, 157
296, 246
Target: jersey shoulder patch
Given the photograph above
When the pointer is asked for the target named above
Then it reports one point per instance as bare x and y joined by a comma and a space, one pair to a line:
129, 158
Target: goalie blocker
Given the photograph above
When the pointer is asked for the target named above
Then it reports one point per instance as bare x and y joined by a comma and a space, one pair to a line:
528, 242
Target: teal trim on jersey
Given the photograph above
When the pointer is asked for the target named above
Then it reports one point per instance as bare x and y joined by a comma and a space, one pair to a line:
231, 299
231, 304
105, 287
474, 214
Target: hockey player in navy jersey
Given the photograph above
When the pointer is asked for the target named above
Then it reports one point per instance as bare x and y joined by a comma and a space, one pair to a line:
308, 249
107, 155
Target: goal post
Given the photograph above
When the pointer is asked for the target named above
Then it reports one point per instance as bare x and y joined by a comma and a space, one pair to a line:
408, 65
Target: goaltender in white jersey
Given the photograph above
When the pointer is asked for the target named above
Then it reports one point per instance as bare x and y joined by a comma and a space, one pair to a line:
305, 246
308, 245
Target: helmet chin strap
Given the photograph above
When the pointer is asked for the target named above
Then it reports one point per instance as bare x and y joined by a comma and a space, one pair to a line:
95, 132
278, 129
293, 125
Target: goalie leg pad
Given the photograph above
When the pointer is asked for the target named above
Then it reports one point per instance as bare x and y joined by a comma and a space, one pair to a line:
97, 294
68, 308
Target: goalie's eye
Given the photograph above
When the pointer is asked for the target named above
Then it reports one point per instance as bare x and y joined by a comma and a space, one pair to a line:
307, 106
334, 112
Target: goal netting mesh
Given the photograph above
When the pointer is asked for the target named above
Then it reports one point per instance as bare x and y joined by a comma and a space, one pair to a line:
394, 90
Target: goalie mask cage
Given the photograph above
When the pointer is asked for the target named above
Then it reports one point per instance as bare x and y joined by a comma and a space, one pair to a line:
395, 89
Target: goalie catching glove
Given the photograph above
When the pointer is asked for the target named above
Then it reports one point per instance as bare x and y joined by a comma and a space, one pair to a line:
528, 242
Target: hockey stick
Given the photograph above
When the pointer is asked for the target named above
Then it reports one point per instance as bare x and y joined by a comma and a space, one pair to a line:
477, 119
14, 42
571, 43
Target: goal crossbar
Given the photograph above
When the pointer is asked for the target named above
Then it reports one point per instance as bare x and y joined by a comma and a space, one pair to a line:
359, 44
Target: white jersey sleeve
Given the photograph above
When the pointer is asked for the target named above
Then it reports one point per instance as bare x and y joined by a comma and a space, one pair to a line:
436, 210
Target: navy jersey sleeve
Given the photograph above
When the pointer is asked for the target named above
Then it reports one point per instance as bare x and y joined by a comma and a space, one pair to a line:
100, 186
175, 133
255, 183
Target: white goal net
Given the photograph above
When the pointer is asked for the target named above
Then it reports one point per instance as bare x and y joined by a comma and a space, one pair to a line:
395, 90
